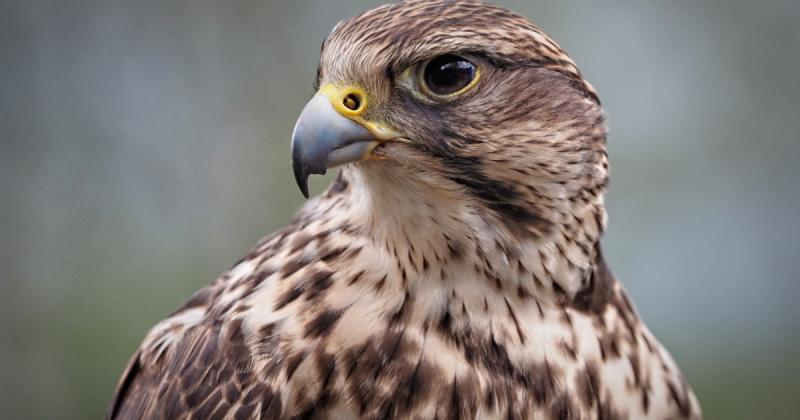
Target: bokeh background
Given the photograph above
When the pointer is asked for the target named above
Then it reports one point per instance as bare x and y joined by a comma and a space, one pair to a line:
144, 147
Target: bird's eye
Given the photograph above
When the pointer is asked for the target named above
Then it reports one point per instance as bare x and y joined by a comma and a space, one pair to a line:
448, 75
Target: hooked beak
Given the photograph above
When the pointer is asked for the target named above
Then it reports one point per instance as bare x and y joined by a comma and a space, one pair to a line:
331, 132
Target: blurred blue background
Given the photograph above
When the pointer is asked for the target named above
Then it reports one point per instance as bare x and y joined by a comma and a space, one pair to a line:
144, 147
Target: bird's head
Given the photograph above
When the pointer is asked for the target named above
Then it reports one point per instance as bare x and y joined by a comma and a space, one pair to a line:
460, 99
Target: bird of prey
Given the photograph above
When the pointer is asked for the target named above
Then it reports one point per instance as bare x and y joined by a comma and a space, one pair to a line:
454, 267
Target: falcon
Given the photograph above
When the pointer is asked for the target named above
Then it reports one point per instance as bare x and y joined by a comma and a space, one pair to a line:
452, 270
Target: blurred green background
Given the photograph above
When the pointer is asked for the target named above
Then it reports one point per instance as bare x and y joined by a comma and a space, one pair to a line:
144, 147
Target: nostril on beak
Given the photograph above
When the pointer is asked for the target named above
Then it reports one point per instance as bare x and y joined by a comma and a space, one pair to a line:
352, 101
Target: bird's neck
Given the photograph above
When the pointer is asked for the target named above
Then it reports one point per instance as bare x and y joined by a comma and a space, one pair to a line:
434, 235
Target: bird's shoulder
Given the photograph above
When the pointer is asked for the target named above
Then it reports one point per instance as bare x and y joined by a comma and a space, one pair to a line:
301, 324
198, 360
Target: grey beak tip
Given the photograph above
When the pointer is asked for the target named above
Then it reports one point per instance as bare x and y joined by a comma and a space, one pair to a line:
323, 138
301, 177
302, 182
301, 174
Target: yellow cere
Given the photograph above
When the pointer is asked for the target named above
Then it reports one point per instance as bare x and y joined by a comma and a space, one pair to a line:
351, 102
342, 97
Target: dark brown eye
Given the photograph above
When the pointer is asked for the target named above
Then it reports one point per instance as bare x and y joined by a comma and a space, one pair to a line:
448, 74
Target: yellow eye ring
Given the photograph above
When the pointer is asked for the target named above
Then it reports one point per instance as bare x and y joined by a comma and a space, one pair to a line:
447, 76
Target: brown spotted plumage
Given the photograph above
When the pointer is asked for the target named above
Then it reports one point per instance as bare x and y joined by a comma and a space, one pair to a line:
454, 271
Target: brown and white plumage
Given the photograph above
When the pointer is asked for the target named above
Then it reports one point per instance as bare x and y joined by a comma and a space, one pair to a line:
454, 274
